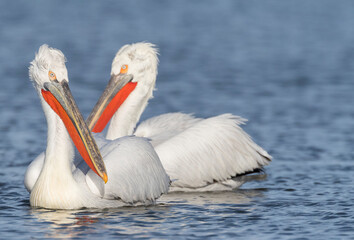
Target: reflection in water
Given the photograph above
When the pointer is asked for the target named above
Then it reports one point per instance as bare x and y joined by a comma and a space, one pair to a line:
63, 223
137, 221
211, 198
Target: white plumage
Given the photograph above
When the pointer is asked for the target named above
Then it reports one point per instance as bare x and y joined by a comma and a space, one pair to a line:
135, 171
204, 151
135, 174
198, 154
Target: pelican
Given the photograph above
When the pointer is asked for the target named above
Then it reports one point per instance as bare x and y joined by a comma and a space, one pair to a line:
198, 154
129, 166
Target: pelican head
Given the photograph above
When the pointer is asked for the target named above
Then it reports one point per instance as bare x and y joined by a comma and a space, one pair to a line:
138, 60
133, 67
50, 78
47, 60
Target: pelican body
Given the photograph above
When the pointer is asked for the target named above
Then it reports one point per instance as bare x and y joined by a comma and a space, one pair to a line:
121, 172
198, 154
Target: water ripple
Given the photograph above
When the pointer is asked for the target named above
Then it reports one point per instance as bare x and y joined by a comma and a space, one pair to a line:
288, 67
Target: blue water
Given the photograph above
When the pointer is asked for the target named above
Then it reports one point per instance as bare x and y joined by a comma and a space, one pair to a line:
287, 66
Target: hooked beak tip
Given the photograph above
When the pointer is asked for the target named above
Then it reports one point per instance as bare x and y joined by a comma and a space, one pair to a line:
105, 178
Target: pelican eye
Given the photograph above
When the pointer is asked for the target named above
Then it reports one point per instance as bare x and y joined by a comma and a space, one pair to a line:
52, 76
124, 69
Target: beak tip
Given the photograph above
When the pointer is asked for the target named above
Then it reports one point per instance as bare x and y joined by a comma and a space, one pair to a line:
105, 178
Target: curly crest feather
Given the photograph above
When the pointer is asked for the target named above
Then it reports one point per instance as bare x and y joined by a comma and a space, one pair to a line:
47, 59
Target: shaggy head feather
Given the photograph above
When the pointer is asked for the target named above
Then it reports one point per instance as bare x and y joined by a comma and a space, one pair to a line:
47, 59
142, 60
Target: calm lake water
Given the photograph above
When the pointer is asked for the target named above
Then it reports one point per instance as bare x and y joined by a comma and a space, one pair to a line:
287, 66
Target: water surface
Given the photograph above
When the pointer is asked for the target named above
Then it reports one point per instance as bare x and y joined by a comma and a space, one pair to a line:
287, 66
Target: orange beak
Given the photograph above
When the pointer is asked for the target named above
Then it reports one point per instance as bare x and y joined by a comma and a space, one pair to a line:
118, 89
58, 96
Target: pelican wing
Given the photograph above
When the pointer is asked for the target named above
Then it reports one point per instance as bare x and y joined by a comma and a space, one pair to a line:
212, 150
135, 173
163, 127
33, 171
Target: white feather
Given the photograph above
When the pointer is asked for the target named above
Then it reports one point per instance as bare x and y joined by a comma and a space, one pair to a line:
33, 171
210, 150
136, 175
163, 127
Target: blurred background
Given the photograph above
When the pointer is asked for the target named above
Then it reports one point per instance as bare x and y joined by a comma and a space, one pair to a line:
287, 66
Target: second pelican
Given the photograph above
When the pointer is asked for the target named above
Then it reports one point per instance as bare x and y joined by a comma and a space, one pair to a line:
198, 154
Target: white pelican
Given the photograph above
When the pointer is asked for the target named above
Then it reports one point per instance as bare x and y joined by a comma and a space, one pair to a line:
134, 172
198, 154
